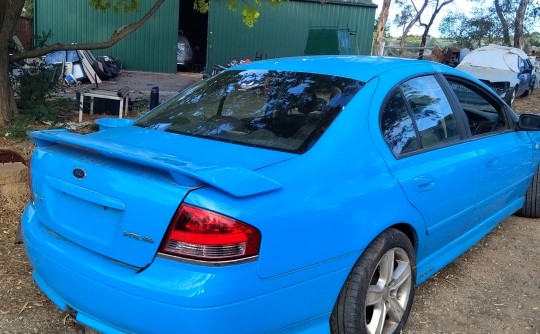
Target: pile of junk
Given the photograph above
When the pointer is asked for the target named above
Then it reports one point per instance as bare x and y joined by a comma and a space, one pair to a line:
78, 65
72, 65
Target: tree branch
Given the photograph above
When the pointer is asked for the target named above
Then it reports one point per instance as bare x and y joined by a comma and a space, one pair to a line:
116, 36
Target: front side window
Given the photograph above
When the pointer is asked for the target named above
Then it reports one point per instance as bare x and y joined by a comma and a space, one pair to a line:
484, 115
432, 112
281, 110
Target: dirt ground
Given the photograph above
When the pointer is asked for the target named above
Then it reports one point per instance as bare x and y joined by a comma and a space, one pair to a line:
493, 288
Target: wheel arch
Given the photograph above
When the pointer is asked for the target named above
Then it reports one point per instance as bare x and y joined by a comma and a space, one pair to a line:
409, 231
344, 316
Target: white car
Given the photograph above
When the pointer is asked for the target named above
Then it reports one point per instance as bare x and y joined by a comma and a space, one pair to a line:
508, 71
184, 52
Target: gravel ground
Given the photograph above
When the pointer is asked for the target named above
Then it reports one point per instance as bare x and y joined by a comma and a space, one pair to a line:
493, 288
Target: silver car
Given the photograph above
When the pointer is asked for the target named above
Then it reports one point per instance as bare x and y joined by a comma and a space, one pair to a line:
184, 52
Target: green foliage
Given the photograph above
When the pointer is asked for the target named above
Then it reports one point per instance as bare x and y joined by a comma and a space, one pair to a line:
28, 9
41, 40
118, 6
533, 39
482, 26
250, 8
480, 29
141, 105
34, 93
17, 127
33, 89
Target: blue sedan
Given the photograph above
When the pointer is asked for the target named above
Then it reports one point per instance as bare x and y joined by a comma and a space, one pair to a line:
306, 194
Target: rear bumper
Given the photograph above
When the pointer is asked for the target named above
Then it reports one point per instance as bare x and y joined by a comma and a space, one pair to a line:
177, 297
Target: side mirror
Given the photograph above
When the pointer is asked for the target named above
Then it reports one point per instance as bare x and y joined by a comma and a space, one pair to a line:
529, 122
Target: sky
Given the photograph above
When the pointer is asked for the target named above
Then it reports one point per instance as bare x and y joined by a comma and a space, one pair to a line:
461, 5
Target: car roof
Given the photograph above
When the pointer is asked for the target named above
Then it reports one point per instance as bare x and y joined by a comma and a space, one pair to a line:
361, 68
494, 57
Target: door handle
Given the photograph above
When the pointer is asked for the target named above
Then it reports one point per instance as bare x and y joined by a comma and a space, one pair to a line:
424, 182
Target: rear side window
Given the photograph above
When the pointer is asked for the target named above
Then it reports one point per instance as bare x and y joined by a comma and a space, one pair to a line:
397, 126
418, 116
281, 110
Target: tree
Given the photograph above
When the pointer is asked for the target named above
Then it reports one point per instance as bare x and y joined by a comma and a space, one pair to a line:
378, 47
9, 13
504, 23
491, 24
438, 6
455, 26
518, 24
504, 11
410, 14
482, 28
250, 8
10, 10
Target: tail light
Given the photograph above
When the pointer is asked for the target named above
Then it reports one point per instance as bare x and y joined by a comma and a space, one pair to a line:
204, 235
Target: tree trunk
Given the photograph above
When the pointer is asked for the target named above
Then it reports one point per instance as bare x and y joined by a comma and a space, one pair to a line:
410, 25
518, 24
8, 108
504, 23
9, 13
379, 30
429, 24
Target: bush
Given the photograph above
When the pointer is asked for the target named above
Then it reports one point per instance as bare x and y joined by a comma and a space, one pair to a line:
17, 127
33, 90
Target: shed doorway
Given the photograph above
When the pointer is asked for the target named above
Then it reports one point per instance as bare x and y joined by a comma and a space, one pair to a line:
192, 38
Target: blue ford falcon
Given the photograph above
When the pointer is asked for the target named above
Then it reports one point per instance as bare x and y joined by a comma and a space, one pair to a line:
307, 194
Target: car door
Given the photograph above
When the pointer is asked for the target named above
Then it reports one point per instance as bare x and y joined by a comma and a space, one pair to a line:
506, 154
524, 76
425, 152
531, 77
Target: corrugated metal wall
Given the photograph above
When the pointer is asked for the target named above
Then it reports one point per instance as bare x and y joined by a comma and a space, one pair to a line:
151, 48
283, 30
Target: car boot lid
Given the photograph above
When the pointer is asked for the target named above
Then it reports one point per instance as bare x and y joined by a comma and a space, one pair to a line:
239, 180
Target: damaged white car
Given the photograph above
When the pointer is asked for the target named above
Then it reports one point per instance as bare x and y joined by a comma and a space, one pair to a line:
508, 71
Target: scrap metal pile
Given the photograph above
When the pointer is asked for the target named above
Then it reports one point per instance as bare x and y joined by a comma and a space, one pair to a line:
81, 64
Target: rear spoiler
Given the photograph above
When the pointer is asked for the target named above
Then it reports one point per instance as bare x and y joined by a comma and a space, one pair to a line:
236, 181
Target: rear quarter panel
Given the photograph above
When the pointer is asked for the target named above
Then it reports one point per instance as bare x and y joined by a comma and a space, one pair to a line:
335, 200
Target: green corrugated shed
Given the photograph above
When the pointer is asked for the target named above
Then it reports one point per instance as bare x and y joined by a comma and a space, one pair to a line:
283, 30
151, 48
280, 31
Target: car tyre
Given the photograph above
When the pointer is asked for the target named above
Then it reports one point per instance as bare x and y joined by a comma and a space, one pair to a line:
511, 97
531, 207
102, 70
379, 290
113, 69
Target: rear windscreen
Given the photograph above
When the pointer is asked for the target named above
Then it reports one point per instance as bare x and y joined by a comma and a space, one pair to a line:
281, 110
